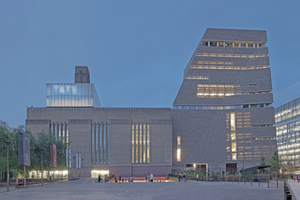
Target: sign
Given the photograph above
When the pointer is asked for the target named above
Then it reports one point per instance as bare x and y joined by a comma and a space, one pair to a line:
52, 155
68, 158
23, 149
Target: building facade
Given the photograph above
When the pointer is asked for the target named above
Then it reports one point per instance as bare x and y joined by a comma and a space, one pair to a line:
221, 118
222, 115
287, 122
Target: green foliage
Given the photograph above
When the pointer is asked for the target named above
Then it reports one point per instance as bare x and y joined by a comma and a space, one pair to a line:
36, 143
263, 161
274, 162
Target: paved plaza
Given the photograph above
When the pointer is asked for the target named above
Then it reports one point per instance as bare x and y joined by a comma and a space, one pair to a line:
86, 189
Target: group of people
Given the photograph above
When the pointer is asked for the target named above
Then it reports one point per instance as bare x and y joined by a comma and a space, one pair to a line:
149, 177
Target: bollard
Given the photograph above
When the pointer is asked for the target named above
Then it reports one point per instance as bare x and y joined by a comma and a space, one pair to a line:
268, 182
244, 182
277, 183
251, 181
259, 182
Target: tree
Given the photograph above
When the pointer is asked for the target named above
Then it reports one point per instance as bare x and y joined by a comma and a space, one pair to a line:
274, 162
263, 161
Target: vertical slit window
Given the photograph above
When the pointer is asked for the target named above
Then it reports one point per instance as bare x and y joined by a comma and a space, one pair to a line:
92, 142
59, 131
232, 121
144, 143
132, 143
148, 143
104, 143
136, 143
67, 136
63, 133
141, 146
96, 151
178, 148
107, 142
100, 148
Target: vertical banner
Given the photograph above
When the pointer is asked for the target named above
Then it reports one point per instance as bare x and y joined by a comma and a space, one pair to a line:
52, 155
79, 160
23, 149
77, 155
68, 158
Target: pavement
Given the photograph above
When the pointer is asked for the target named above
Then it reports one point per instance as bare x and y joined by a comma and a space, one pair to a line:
85, 188
295, 188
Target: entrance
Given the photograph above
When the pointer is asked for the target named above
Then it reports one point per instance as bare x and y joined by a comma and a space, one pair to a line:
95, 173
231, 167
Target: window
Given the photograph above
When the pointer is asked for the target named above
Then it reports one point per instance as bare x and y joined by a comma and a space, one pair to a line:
93, 143
178, 148
140, 147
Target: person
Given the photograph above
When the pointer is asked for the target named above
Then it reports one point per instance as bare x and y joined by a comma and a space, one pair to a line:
120, 178
151, 177
99, 178
298, 178
146, 178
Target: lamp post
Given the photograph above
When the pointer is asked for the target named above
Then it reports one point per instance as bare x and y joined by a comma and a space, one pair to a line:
42, 150
7, 176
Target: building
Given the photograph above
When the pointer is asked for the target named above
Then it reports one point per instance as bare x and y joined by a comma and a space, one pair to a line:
222, 115
221, 118
287, 122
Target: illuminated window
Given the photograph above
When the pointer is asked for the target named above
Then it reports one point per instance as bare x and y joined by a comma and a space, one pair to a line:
141, 145
132, 143
233, 156
232, 136
233, 147
232, 121
178, 148
148, 143
144, 143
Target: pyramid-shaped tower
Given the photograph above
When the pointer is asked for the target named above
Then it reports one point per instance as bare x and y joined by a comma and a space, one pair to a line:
222, 114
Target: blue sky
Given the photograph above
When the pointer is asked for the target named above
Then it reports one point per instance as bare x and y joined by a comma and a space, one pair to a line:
136, 50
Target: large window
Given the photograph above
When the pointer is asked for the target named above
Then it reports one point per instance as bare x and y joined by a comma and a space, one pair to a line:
100, 143
140, 143
178, 148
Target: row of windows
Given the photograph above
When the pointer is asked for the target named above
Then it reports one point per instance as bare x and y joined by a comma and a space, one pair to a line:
222, 107
227, 86
60, 131
214, 62
198, 77
228, 68
264, 125
100, 141
232, 55
285, 114
214, 95
140, 138
264, 138
232, 44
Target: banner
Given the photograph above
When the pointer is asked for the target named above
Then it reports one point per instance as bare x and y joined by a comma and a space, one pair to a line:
52, 155
23, 149
68, 158
78, 160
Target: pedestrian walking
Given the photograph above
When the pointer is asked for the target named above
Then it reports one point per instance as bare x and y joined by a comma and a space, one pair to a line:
298, 178
120, 178
151, 177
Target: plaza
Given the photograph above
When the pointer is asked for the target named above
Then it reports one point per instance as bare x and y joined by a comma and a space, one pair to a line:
86, 189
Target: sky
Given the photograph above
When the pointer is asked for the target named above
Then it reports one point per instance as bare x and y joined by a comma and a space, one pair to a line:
136, 50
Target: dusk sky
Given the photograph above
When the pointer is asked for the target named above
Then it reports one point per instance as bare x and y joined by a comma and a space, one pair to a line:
136, 51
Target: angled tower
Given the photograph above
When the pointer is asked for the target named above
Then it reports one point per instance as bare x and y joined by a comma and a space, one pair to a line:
222, 114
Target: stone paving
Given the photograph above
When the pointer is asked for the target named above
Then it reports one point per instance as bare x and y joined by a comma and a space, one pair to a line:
86, 189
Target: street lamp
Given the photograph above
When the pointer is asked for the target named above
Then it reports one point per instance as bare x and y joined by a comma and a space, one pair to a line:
7, 176
42, 150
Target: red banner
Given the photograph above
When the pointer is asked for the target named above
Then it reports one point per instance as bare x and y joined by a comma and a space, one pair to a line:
52, 155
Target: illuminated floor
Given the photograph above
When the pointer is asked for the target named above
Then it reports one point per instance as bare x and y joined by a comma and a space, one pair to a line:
87, 189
